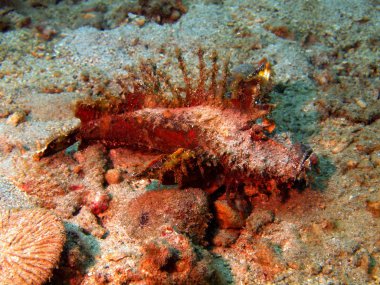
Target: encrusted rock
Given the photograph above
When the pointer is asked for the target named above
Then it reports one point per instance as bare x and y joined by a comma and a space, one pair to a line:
186, 210
173, 259
87, 221
16, 118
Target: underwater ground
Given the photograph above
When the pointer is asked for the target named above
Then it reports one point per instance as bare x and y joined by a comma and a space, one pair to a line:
122, 227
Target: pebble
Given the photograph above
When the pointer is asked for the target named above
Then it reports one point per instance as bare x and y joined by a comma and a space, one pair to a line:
16, 118
113, 176
361, 103
175, 15
351, 164
140, 22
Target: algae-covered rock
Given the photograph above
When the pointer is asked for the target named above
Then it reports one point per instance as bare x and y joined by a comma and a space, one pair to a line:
186, 210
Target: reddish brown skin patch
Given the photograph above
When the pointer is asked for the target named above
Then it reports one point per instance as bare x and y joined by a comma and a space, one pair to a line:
122, 130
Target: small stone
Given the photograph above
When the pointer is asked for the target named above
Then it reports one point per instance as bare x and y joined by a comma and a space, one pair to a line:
57, 73
361, 103
16, 118
351, 164
113, 176
175, 15
140, 22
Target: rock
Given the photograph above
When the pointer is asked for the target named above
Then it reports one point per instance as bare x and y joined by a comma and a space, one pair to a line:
173, 259
140, 21
361, 103
186, 210
16, 118
87, 221
113, 176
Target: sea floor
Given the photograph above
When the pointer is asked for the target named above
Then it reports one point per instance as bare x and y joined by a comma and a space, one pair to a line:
325, 57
